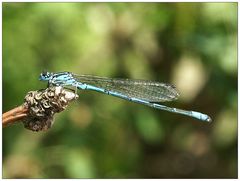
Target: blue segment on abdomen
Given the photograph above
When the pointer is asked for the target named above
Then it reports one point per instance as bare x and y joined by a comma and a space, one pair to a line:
200, 116
89, 87
116, 94
139, 101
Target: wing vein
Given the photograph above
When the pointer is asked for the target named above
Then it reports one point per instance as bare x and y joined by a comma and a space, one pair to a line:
141, 89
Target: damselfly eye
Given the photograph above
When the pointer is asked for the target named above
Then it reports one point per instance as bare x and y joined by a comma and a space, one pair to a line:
45, 74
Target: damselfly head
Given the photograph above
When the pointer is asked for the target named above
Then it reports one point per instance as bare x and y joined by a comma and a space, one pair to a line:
45, 76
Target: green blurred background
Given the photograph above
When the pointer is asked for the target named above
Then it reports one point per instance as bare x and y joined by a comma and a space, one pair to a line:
191, 45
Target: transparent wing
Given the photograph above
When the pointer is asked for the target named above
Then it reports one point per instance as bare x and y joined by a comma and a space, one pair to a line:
141, 89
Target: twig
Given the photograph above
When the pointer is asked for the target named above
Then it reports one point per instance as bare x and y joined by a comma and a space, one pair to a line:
39, 107
14, 115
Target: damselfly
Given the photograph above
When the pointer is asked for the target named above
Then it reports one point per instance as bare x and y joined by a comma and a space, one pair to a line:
145, 92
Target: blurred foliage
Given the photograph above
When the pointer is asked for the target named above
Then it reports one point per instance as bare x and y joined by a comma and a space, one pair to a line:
192, 45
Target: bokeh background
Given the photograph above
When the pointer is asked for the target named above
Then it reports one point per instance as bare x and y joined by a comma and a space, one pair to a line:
191, 45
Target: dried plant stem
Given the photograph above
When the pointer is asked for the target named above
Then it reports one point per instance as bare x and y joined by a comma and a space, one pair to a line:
37, 111
14, 115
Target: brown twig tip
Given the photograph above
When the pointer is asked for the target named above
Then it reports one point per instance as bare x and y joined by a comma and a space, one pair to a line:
14, 115
39, 107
